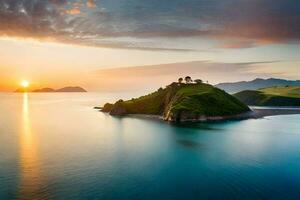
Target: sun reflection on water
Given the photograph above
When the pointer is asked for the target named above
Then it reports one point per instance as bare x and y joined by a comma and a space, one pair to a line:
30, 180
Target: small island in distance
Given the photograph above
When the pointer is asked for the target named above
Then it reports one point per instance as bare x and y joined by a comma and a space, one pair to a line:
64, 89
183, 102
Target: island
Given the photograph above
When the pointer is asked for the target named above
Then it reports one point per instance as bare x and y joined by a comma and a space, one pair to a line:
44, 90
182, 102
71, 89
48, 90
279, 96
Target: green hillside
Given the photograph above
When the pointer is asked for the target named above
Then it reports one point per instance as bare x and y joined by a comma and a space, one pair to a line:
181, 102
272, 96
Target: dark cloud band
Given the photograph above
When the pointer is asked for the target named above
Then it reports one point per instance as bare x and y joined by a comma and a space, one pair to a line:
235, 23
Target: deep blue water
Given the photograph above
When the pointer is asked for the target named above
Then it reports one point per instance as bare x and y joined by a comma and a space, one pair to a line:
55, 146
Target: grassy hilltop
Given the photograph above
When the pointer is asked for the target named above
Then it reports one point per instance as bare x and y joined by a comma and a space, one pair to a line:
181, 102
272, 96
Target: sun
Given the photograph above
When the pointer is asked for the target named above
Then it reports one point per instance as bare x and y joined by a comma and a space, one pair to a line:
25, 84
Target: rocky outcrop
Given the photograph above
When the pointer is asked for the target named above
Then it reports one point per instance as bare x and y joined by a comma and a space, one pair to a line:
182, 116
118, 110
107, 107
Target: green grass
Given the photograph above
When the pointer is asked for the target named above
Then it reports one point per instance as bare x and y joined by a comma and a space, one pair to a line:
206, 100
286, 91
272, 96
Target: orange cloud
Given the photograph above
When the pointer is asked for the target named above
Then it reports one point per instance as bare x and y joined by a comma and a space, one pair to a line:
75, 10
90, 4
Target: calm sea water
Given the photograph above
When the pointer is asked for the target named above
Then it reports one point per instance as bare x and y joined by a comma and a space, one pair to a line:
55, 146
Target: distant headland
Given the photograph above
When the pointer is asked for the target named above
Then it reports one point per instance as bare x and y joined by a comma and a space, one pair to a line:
279, 96
64, 89
181, 101
255, 84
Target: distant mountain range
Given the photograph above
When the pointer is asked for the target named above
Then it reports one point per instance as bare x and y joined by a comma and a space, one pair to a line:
64, 89
255, 84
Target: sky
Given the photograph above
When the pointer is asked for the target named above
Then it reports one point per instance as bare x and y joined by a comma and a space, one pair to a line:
120, 45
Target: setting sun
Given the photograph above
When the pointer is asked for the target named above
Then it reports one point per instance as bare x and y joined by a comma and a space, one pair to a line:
25, 84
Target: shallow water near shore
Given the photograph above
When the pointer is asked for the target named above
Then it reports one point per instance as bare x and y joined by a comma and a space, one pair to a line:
56, 146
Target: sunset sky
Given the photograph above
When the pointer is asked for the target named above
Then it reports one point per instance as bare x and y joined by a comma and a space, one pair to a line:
111, 45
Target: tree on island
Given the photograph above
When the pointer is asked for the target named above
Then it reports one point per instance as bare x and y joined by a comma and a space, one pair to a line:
180, 80
188, 79
198, 81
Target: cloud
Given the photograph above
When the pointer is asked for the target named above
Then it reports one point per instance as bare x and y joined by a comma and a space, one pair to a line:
143, 24
154, 76
75, 9
236, 44
90, 4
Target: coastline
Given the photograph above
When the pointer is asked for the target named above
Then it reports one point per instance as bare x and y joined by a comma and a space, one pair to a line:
255, 113
273, 111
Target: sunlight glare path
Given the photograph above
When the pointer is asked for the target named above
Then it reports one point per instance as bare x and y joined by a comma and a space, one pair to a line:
30, 183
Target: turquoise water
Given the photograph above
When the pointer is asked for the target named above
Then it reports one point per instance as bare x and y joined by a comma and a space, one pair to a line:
55, 146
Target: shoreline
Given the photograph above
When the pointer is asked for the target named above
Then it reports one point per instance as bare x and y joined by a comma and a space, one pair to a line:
272, 111
255, 113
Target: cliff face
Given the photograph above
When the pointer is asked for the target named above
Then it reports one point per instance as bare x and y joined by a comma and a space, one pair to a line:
182, 102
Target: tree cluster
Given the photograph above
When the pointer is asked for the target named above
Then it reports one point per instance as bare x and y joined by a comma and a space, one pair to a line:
189, 80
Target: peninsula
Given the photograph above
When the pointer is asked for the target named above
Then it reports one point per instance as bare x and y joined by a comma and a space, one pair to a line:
287, 96
180, 102
255, 84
